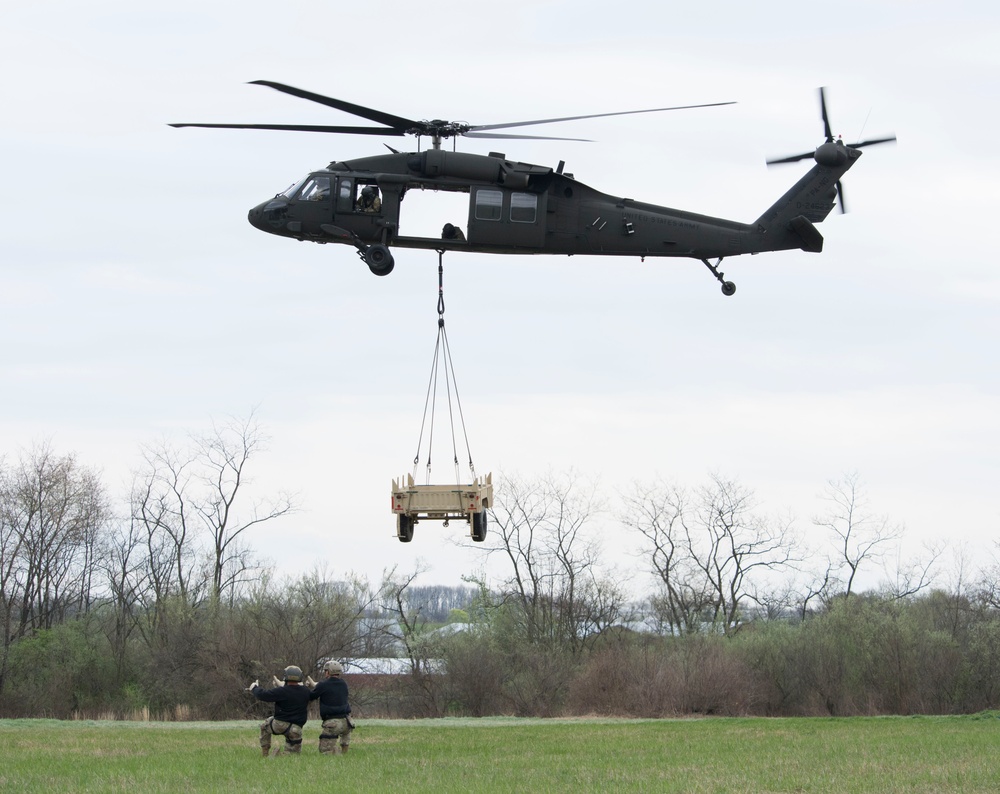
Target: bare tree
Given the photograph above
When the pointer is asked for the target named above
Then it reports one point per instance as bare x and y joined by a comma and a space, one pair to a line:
541, 528
907, 577
737, 544
125, 574
410, 620
11, 584
160, 496
987, 588
816, 587
861, 536
424, 684
52, 513
657, 513
224, 456
712, 552
186, 499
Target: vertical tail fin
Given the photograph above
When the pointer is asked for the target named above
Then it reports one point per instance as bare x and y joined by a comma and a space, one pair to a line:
788, 223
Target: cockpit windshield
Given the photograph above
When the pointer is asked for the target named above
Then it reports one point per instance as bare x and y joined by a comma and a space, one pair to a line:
292, 189
316, 188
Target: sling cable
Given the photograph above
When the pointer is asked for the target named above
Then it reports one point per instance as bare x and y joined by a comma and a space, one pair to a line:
412, 503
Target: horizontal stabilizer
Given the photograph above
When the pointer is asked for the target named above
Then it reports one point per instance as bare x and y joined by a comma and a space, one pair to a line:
810, 236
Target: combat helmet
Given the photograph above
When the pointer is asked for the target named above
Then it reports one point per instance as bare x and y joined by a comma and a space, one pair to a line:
333, 667
293, 673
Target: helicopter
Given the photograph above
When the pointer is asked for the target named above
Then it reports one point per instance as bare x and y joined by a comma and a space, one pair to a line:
521, 208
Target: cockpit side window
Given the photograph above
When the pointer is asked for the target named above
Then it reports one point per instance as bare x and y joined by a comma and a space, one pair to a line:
316, 188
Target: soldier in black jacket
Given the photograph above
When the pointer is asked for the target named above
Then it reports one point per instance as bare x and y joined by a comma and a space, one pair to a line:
334, 709
291, 700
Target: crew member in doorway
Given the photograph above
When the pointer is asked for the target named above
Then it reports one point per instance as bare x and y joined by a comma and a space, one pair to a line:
368, 200
452, 232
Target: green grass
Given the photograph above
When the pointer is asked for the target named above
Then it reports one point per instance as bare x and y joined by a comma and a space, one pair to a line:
888, 754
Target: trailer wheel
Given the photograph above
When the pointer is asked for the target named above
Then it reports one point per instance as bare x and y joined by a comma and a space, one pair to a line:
404, 528
479, 527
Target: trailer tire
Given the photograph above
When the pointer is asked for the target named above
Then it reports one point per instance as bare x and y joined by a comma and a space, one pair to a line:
479, 526
404, 528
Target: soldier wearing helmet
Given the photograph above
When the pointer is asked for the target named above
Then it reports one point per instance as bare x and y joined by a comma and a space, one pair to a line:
368, 200
291, 701
334, 709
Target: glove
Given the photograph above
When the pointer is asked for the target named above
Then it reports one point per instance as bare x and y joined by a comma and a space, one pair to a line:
309, 682
275, 681
251, 687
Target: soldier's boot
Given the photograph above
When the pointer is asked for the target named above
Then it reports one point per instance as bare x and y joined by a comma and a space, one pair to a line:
344, 748
264, 751
327, 744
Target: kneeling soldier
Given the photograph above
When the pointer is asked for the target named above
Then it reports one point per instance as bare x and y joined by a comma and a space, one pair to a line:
333, 709
291, 700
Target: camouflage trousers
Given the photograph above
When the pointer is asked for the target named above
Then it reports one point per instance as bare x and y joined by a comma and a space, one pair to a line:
292, 733
333, 729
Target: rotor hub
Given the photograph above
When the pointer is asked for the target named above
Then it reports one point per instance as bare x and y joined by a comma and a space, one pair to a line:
831, 154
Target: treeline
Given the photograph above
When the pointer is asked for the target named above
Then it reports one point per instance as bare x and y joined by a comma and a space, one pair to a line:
159, 610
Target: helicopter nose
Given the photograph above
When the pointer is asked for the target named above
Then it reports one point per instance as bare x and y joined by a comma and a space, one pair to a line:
269, 216
254, 216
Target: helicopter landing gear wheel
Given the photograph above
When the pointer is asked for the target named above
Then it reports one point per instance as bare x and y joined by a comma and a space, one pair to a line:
379, 259
404, 528
728, 287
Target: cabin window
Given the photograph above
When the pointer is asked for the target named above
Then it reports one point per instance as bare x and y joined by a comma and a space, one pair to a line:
317, 188
345, 194
368, 198
523, 207
489, 205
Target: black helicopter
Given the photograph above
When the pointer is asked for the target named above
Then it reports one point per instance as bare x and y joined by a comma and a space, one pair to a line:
519, 208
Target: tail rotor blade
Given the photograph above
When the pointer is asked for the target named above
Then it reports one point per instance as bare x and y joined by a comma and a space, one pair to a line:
872, 142
791, 159
826, 118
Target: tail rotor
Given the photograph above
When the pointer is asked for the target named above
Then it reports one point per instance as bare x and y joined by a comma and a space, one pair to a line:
823, 151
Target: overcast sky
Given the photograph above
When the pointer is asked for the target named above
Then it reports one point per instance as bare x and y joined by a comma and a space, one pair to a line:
137, 303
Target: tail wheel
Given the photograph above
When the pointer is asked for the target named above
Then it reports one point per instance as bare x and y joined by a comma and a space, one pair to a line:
379, 259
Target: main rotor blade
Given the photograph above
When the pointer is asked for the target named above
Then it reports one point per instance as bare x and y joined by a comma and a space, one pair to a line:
826, 118
589, 116
521, 137
302, 128
397, 122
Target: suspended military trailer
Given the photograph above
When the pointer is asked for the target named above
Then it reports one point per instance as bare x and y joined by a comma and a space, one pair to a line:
414, 503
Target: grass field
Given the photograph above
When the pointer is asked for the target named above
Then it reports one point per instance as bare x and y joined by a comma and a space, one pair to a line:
888, 754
